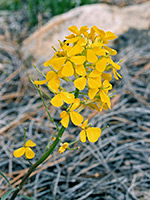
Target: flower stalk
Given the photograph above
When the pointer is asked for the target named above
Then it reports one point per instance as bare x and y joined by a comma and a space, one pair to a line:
84, 61
41, 160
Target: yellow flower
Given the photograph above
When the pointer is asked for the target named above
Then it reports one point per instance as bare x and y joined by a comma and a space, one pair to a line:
70, 57
77, 37
63, 147
92, 133
25, 150
53, 80
104, 36
76, 118
94, 79
91, 56
103, 92
57, 101
75, 30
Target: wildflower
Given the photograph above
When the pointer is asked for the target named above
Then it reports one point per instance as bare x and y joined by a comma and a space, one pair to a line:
77, 37
25, 150
104, 36
92, 133
62, 96
94, 79
76, 118
103, 92
63, 147
53, 80
70, 57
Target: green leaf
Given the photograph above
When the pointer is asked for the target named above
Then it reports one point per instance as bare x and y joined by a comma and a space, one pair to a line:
5, 179
8, 193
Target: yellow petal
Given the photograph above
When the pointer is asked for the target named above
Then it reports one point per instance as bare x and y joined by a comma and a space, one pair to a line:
91, 57
92, 92
82, 42
63, 114
84, 125
79, 60
107, 85
80, 70
29, 153
57, 62
110, 50
101, 64
93, 133
70, 36
72, 40
67, 69
65, 145
102, 105
75, 104
100, 32
105, 98
50, 75
54, 84
115, 65
94, 106
57, 101
83, 136
65, 120
19, 152
110, 36
73, 29
99, 51
95, 73
92, 34
30, 143
61, 149
94, 82
67, 97
40, 82
106, 76
80, 83
83, 29
116, 74
75, 50
59, 73
97, 44
76, 118
47, 63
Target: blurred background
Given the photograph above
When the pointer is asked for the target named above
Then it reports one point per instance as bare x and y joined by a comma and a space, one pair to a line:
117, 167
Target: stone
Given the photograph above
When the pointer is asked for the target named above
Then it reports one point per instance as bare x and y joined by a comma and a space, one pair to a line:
107, 17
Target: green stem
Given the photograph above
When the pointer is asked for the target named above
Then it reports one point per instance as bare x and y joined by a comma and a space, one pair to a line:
44, 93
51, 119
40, 89
41, 160
39, 71
47, 147
76, 94
74, 142
24, 139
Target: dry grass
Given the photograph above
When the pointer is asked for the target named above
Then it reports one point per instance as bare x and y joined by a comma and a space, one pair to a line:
116, 167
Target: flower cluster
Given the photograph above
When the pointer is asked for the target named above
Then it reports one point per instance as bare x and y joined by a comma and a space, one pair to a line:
83, 59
